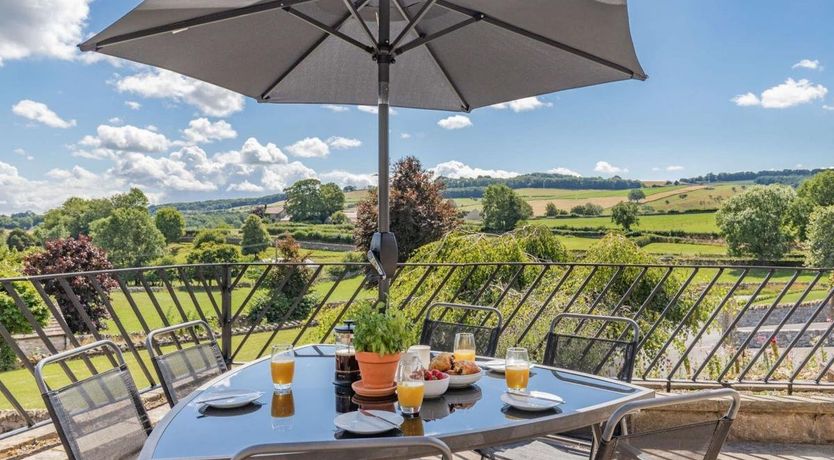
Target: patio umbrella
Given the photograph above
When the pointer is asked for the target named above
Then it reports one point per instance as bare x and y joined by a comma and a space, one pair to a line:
453, 55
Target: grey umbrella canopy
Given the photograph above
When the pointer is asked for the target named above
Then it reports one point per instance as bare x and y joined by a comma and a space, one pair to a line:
454, 55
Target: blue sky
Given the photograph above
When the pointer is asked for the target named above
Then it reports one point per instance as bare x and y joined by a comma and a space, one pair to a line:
731, 87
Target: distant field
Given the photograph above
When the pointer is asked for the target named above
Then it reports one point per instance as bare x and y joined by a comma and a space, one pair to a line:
694, 223
704, 198
685, 249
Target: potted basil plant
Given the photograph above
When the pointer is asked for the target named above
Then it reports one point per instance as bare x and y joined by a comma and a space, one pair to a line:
380, 336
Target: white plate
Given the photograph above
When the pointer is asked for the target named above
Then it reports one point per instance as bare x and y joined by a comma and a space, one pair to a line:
231, 398
460, 381
497, 365
362, 424
531, 404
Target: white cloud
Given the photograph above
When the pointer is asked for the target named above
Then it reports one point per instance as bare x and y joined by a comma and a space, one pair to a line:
564, 172
244, 186
456, 170
115, 121
23, 153
827, 107
788, 94
342, 143
38, 111
109, 140
523, 105
336, 108
309, 147
201, 131
674, 168
167, 173
746, 100
133, 105
344, 178
162, 84
279, 177
49, 29
405, 136
455, 122
808, 64
18, 193
607, 168
254, 153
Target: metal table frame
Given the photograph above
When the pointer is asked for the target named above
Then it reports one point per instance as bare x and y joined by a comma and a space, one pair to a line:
458, 441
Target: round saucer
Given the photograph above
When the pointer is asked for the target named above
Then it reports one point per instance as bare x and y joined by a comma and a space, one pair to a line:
361, 390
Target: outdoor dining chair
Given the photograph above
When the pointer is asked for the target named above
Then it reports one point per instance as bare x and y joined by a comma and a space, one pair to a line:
101, 416
184, 369
382, 447
440, 335
596, 353
683, 441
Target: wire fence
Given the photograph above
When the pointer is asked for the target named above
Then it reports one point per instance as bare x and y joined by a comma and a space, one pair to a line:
700, 326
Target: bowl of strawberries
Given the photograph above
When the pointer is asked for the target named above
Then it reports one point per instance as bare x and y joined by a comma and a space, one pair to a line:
435, 383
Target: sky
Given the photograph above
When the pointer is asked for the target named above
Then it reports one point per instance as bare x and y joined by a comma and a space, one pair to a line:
731, 87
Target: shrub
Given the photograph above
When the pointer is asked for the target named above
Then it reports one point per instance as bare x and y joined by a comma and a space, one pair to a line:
12, 318
255, 238
821, 238
74, 255
284, 286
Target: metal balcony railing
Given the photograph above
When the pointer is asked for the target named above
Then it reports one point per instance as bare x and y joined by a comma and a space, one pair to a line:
701, 326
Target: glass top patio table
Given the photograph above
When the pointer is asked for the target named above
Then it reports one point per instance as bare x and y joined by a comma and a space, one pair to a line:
464, 419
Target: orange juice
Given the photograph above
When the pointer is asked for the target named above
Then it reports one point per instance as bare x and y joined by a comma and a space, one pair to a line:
518, 376
410, 394
282, 371
464, 355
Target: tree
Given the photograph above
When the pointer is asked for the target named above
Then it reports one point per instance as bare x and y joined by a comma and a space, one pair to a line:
754, 222
214, 253
636, 195
310, 201
255, 237
419, 213
550, 210
12, 318
170, 222
210, 236
819, 188
129, 236
625, 214
587, 209
135, 198
19, 240
76, 215
286, 285
821, 238
503, 208
339, 218
71, 255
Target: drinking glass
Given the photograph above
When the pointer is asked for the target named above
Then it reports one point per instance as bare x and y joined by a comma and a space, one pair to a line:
410, 384
464, 346
282, 366
517, 369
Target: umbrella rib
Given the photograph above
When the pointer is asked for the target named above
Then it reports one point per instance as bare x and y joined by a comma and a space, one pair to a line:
355, 13
265, 94
329, 30
422, 40
463, 104
413, 22
542, 39
193, 22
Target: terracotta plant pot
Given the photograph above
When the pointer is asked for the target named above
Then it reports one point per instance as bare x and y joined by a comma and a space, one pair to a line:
377, 370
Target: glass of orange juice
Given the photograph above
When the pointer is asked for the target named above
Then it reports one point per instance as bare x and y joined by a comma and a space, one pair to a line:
464, 346
282, 366
410, 384
517, 370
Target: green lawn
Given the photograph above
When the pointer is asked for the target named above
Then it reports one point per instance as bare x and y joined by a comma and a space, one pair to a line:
694, 223
685, 249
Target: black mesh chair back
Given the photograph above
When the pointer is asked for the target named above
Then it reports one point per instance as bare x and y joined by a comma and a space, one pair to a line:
403, 447
596, 353
183, 370
693, 441
440, 335
101, 416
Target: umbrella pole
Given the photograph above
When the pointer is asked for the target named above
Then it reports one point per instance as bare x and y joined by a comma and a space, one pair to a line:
384, 244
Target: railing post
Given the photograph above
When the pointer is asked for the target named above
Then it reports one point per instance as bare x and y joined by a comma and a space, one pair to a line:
226, 313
